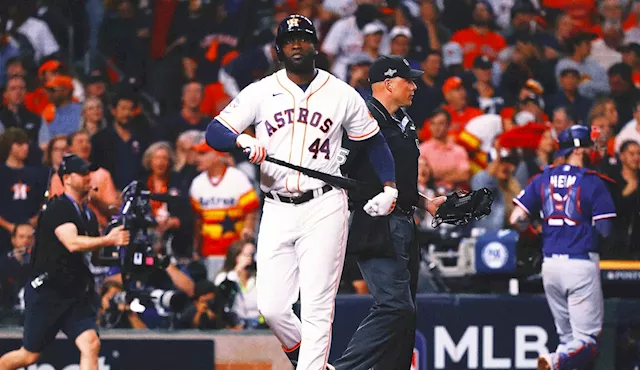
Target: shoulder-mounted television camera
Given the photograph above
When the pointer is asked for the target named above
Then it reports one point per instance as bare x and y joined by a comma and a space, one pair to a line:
138, 260
135, 215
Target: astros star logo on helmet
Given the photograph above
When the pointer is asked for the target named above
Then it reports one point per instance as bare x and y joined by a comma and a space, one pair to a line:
293, 22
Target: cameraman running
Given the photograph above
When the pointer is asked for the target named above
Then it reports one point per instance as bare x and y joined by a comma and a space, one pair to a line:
61, 295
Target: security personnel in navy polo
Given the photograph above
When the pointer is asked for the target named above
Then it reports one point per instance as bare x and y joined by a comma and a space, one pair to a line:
60, 294
386, 247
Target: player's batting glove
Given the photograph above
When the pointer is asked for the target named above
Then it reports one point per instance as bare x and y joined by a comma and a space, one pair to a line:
383, 203
252, 147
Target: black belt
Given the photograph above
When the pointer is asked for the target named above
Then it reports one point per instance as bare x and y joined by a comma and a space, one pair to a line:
408, 212
303, 198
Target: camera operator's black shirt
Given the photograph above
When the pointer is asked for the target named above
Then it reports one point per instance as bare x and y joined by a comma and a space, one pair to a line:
68, 272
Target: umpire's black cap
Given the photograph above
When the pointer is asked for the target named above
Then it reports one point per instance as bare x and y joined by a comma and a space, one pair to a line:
71, 163
391, 66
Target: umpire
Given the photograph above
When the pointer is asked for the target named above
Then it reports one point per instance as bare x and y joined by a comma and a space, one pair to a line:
60, 295
386, 247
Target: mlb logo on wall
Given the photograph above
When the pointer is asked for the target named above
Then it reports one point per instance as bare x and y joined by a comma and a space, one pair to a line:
419, 360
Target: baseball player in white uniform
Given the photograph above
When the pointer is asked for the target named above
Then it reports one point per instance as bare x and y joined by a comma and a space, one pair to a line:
299, 114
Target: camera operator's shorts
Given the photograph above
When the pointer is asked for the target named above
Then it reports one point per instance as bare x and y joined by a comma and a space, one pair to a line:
46, 313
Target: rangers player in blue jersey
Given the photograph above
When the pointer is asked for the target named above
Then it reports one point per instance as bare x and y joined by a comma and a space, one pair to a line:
576, 210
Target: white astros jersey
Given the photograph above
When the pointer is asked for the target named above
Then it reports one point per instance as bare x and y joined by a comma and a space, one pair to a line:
300, 127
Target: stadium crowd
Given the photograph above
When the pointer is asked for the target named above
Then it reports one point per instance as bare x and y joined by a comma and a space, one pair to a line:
136, 82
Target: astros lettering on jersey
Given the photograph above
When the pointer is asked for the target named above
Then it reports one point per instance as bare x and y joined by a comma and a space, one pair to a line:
222, 207
299, 126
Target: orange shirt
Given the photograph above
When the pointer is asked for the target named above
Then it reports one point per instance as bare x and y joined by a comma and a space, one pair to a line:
214, 100
222, 206
636, 78
459, 120
36, 101
582, 11
475, 44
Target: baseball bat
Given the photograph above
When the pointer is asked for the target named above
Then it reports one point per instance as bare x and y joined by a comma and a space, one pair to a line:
341, 182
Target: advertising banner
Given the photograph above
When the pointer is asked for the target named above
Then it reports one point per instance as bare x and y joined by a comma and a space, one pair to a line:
465, 332
122, 354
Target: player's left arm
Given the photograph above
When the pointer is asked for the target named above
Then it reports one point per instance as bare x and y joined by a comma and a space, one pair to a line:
603, 210
362, 127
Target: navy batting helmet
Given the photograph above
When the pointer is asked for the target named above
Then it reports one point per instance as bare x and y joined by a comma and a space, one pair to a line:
295, 24
576, 136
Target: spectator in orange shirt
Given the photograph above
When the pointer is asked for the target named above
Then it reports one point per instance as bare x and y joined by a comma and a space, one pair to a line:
225, 205
582, 11
456, 97
479, 39
448, 161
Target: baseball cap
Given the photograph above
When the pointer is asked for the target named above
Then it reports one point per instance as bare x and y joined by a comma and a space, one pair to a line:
569, 70
400, 31
534, 86
451, 54
373, 27
451, 83
71, 163
203, 147
96, 75
49, 65
390, 67
59, 81
482, 62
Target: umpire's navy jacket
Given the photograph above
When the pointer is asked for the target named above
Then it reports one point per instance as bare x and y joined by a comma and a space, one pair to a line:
369, 236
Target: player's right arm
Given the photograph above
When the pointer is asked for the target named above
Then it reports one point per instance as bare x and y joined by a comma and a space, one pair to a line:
603, 208
527, 202
67, 233
225, 131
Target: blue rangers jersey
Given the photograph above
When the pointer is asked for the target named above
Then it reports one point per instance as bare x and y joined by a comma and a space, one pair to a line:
570, 200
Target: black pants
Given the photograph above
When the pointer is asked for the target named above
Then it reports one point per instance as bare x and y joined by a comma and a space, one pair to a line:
386, 337
47, 313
